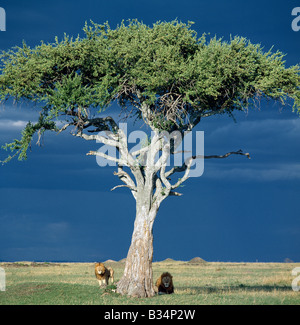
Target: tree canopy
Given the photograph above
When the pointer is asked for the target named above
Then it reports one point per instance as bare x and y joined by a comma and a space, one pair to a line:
162, 74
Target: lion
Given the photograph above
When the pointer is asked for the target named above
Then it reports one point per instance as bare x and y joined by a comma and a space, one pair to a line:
164, 284
103, 274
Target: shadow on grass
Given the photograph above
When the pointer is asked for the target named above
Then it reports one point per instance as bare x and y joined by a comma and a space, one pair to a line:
234, 288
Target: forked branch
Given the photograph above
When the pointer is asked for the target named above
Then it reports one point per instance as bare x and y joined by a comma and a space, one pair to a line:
186, 167
183, 168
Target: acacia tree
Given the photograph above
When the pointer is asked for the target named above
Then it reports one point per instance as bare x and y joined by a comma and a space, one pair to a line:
164, 75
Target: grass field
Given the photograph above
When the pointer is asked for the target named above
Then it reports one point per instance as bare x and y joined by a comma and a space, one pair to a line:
195, 284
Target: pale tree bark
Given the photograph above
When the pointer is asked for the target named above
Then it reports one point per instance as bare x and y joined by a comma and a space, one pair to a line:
137, 280
150, 185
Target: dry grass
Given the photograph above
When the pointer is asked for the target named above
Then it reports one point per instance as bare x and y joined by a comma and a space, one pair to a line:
203, 283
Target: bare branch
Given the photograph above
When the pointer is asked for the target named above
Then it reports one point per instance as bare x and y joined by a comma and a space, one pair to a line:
124, 177
140, 151
188, 165
239, 152
101, 124
118, 186
164, 179
65, 127
97, 137
103, 155
178, 169
158, 189
172, 193
168, 147
155, 146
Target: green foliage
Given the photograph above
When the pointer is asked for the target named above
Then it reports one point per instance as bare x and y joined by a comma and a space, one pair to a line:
20, 147
164, 74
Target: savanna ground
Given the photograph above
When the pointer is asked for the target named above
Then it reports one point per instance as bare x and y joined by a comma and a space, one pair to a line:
195, 284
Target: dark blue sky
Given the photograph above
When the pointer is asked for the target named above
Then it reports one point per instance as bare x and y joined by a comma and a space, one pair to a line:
57, 205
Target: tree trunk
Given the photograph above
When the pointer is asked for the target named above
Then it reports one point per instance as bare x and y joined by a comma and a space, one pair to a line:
137, 280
